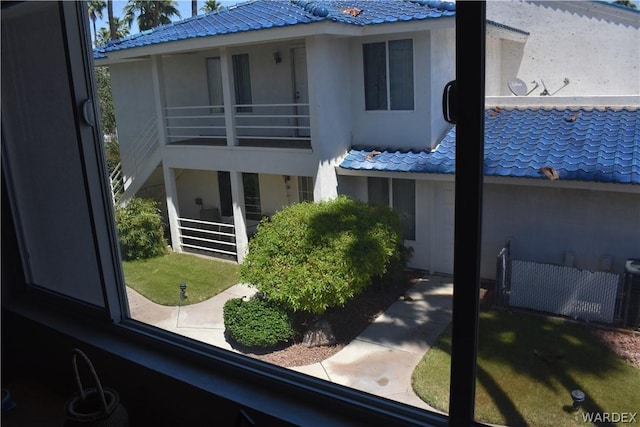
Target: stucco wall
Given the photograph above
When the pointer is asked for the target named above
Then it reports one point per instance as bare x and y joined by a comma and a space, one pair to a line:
544, 223
196, 183
600, 55
132, 112
185, 79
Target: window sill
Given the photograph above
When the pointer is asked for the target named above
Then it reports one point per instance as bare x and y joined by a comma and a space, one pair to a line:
275, 391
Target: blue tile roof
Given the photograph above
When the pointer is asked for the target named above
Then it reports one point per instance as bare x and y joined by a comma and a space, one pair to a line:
265, 14
595, 145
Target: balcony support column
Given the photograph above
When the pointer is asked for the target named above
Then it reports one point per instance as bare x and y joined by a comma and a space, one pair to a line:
239, 221
227, 96
173, 210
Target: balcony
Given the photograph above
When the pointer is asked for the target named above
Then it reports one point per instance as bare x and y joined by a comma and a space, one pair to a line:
252, 125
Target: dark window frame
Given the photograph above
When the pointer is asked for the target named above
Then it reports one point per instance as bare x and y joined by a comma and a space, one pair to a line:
389, 83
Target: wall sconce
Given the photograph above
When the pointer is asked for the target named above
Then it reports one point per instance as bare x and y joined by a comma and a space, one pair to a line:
199, 201
277, 58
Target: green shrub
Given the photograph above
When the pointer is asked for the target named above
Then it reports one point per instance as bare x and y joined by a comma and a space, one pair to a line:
140, 230
312, 256
256, 322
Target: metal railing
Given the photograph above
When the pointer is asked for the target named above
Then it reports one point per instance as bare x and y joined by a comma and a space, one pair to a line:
272, 121
195, 122
117, 182
208, 236
206, 124
139, 153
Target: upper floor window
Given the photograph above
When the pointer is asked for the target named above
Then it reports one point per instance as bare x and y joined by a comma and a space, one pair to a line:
214, 80
242, 82
388, 75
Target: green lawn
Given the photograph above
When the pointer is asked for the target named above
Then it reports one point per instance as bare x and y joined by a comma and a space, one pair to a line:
516, 386
159, 278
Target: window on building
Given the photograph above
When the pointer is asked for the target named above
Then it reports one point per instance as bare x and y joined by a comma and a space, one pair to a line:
214, 81
400, 195
404, 202
252, 205
224, 189
242, 82
305, 188
388, 75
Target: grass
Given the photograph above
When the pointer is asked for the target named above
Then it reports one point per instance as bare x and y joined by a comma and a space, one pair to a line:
527, 367
159, 279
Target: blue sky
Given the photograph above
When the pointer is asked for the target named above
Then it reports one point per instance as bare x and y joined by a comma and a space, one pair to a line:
183, 5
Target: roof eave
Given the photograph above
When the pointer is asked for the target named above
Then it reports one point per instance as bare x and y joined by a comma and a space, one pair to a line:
279, 34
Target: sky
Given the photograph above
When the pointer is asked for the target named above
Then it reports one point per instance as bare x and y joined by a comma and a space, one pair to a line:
185, 11
184, 6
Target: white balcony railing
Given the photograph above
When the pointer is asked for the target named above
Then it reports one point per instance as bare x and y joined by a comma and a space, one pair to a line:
272, 122
253, 124
195, 123
208, 236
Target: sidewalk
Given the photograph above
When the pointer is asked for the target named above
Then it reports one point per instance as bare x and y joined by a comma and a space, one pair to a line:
379, 361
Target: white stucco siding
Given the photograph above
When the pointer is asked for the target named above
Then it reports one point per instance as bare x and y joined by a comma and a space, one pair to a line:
544, 223
185, 79
330, 91
132, 113
192, 184
274, 194
271, 83
599, 56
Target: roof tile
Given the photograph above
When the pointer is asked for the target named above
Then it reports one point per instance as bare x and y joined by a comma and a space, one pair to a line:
264, 14
520, 141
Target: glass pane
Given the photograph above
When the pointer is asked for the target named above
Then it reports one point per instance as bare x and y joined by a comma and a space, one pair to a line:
386, 328
554, 336
242, 81
214, 79
375, 75
378, 191
401, 74
404, 201
251, 182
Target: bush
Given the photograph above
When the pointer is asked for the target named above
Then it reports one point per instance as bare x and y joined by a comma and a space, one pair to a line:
312, 256
256, 322
140, 230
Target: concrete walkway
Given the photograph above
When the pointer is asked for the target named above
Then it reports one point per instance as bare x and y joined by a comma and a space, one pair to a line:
379, 361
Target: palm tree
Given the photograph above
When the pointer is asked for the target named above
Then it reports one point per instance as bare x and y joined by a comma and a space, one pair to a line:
211, 6
627, 3
150, 13
95, 8
104, 35
113, 30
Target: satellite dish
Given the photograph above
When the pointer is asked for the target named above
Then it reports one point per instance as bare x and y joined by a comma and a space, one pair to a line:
517, 86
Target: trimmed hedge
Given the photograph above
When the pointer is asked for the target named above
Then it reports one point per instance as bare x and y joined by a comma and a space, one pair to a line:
312, 256
140, 230
256, 322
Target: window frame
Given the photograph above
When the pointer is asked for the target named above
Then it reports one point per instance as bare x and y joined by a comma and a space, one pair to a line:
242, 82
381, 190
278, 391
384, 100
214, 84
